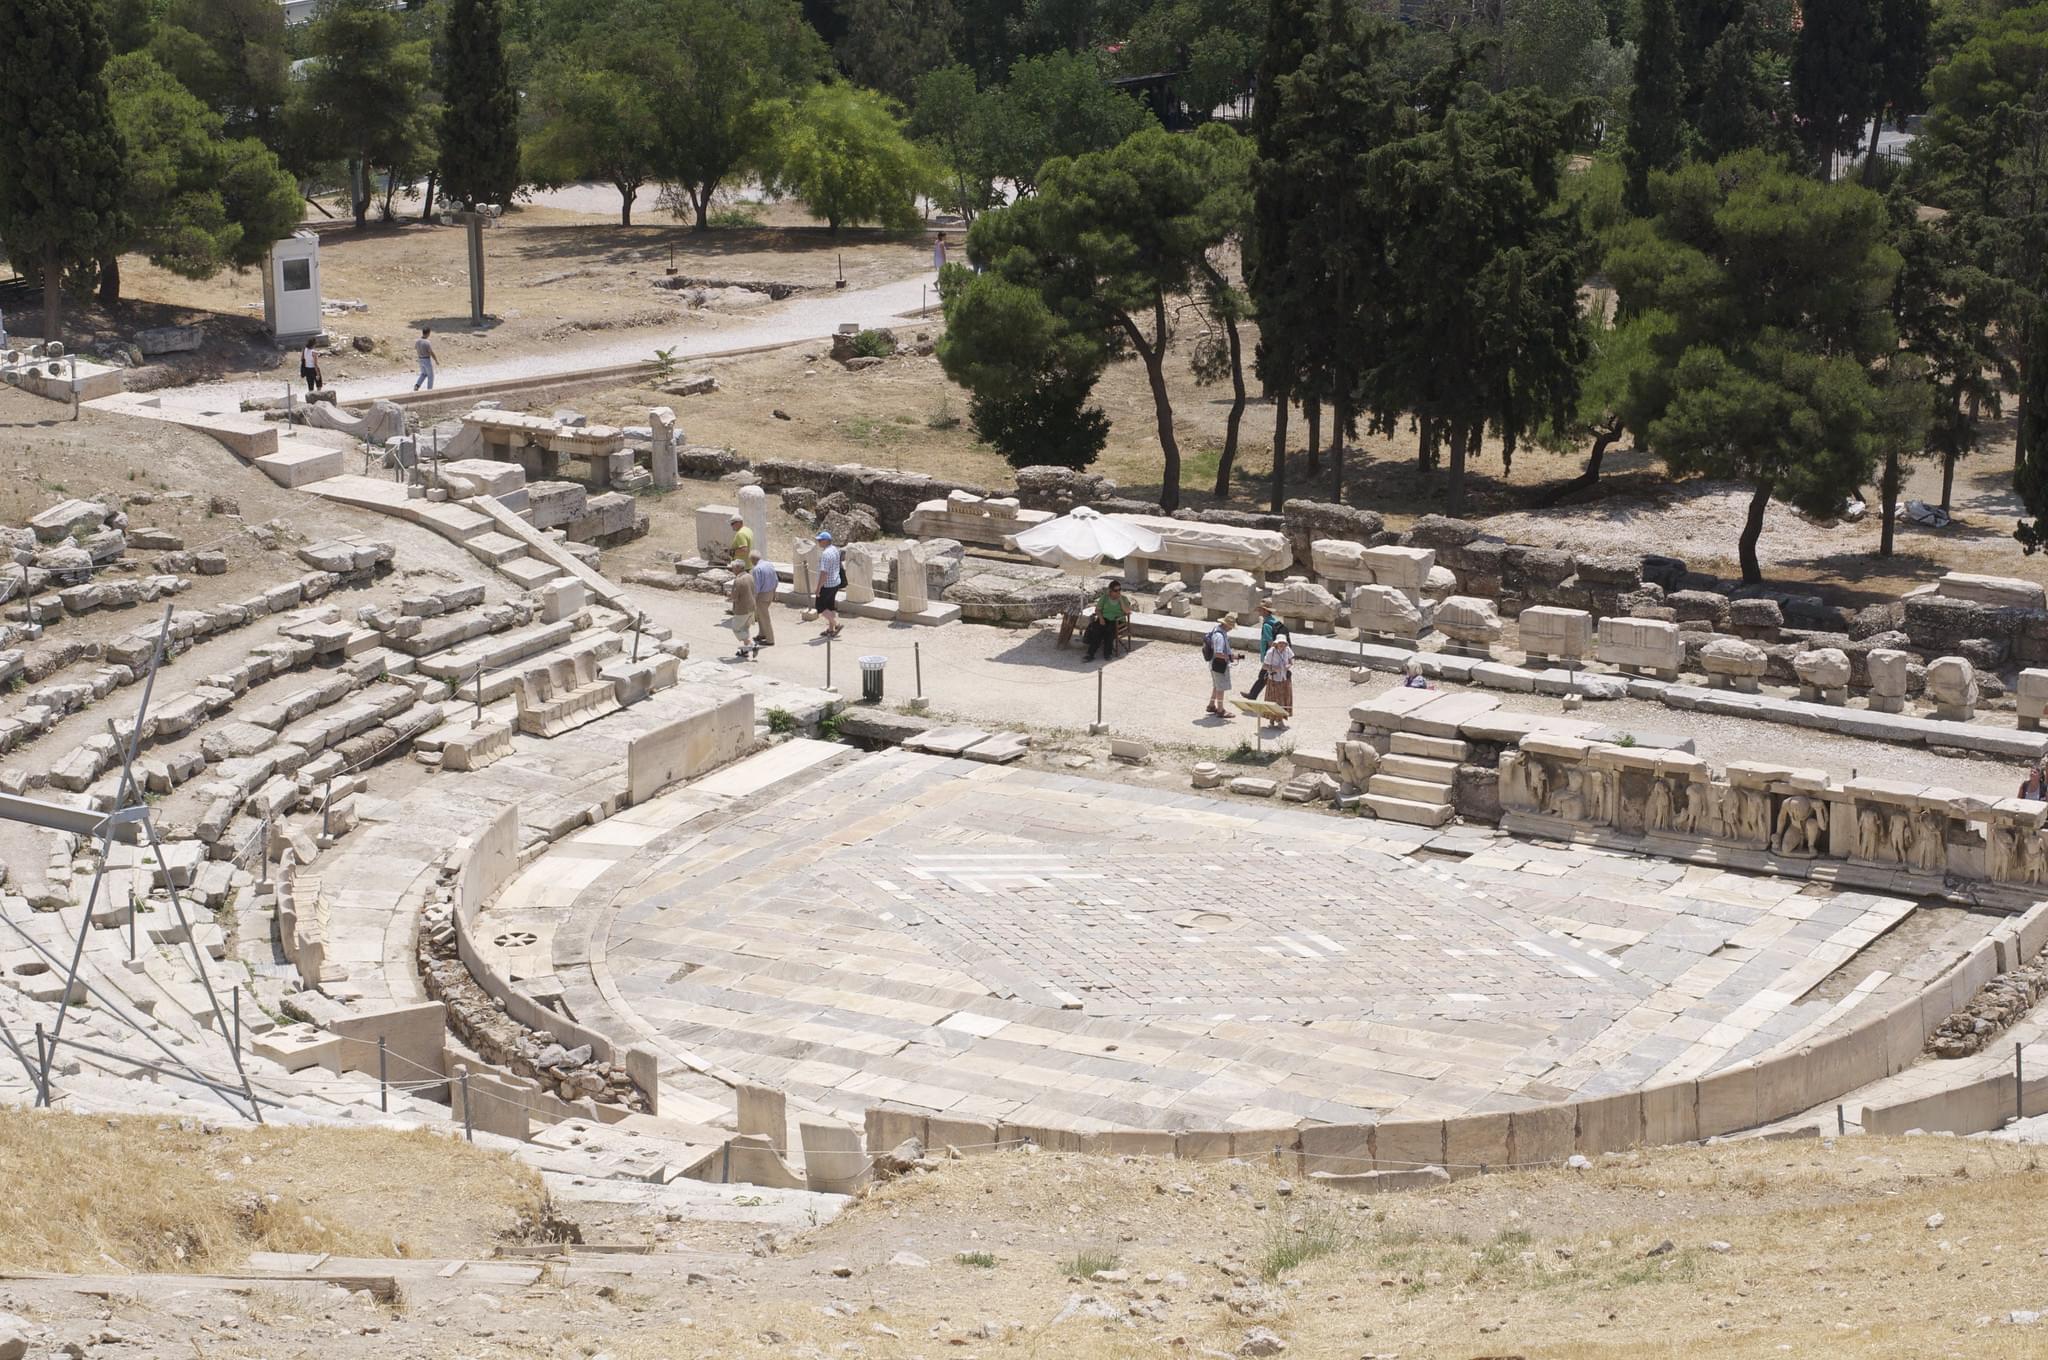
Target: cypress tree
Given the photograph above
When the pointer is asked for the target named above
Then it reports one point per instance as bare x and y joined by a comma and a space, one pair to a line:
1835, 75
61, 158
1273, 272
480, 111
1655, 121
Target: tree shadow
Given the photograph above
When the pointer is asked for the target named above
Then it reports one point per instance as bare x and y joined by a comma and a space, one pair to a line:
596, 246
454, 323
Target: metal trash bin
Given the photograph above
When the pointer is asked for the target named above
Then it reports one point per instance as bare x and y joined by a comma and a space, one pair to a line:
871, 678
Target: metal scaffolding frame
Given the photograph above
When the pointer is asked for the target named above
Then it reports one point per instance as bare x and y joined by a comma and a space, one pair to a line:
131, 810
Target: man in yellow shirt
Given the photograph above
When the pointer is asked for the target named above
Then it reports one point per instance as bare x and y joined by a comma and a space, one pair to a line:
742, 539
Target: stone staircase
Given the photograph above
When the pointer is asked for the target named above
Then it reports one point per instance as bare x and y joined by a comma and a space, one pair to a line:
1415, 780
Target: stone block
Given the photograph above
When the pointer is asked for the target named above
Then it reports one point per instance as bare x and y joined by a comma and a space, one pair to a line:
835, 1162
1823, 675
1342, 1149
1469, 621
1302, 602
1756, 619
1610, 1123
2031, 698
1671, 1114
1997, 592
1383, 611
1403, 568
1476, 1141
550, 505
1728, 1100
1555, 634
1952, 688
1407, 1145
1229, 590
1651, 645
1731, 663
1545, 1133
690, 746
714, 533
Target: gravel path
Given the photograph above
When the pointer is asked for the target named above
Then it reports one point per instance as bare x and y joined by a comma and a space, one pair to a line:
1018, 676
806, 317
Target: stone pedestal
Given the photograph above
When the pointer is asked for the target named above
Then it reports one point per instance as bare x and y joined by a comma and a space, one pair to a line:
1470, 623
1952, 688
662, 448
857, 570
913, 592
754, 510
1823, 675
2032, 699
1731, 663
1888, 668
1556, 635
714, 533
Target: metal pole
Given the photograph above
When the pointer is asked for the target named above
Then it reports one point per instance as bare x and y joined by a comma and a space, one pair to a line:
917, 662
74, 385
637, 619
1841, 1120
1098, 698
238, 1017
828, 663
326, 803
2019, 1084
42, 1066
477, 681
468, 1125
383, 1083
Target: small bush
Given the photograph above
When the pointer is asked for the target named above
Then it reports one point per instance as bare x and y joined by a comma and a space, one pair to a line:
943, 418
872, 344
981, 1260
734, 216
1090, 1260
1315, 1233
781, 721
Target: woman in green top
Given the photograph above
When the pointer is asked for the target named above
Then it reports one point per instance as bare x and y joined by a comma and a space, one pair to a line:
1111, 609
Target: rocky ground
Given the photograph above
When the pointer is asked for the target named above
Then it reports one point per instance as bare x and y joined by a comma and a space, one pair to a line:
1861, 1247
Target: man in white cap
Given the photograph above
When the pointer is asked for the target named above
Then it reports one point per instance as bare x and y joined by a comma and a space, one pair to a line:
742, 540
829, 582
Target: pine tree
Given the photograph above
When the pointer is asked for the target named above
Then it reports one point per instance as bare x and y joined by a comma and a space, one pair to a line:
61, 177
1655, 125
480, 110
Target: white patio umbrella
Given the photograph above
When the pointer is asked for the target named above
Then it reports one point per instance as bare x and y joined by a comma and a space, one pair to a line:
1082, 538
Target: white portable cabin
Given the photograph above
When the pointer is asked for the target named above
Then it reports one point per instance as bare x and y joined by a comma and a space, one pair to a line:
291, 287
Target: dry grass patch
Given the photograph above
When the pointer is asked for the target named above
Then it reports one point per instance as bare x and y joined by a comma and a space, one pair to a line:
1828, 1254
88, 1193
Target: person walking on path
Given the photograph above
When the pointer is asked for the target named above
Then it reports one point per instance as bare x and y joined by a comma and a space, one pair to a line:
1277, 668
829, 582
309, 367
424, 347
741, 617
1110, 612
766, 582
1269, 628
742, 540
1216, 651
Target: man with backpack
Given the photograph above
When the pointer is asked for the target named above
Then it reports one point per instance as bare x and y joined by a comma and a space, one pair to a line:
1216, 651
